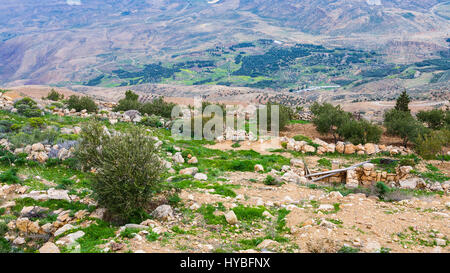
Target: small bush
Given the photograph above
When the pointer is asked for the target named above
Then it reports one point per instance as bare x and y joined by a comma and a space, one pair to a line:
83, 103
158, 107
10, 176
126, 104
244, 213
236, 145
174, 200
430, 145
48, 136
285, 114
152, 121
270, 181
382, 189
5, 126
129, 232
28, 108
130, 102
36, 122
54, 95
128, 167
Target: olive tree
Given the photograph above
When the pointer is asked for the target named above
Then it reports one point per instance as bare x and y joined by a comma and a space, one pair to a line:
404, 125
127, 167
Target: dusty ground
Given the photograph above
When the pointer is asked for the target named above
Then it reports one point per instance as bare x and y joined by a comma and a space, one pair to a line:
36, 91
361, 222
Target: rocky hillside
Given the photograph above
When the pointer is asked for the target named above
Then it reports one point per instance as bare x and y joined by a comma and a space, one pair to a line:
218, 196
59, 41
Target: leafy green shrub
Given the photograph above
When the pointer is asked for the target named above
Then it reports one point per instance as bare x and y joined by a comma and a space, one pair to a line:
28, 108
83, 103
435, 119
3, 228
5, 247
428, 146
236, 145
174, 200
158, 107
244, 213
126, 104
270, 181
48, 136
6, 157
404, 125
130, 95
382, 189
152, 121
36, 122
328, 118
129, 232
54, 95
360, 132
128, 167
5, 126
152, 236
10, 176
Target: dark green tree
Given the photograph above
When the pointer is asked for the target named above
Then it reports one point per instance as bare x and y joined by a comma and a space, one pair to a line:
81, 103
360, 131
54, 95
435, 119
404, 125
130, 95
403, 102
328, 118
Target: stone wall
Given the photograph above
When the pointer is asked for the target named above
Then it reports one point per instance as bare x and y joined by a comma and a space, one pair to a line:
323, 147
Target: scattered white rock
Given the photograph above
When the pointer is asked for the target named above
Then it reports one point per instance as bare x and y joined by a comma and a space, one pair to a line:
163, 212
189, 171
49, 247
19, 241
268, 244
63, 229
201, 176
326, 207
259, 168
231, 218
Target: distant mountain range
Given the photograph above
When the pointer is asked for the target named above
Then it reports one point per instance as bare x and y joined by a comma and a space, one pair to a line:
77, 41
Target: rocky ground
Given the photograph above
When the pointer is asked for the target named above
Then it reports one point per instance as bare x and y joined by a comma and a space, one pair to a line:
251, 197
